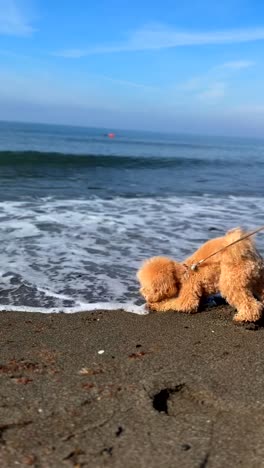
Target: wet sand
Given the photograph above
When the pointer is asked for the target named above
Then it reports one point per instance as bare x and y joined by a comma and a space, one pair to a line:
169, 390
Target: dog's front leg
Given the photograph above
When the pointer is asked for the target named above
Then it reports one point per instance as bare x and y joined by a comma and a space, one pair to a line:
187, 302
189, 306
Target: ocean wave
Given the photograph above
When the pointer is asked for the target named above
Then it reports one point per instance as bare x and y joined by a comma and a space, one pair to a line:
55, 159
84, 307
75, 255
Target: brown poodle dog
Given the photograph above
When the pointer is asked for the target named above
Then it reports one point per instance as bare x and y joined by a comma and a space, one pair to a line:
237, 273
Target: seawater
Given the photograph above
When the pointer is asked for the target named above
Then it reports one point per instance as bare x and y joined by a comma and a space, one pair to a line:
79, 211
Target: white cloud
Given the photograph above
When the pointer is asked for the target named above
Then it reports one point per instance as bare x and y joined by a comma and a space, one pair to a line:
71, 53
10, 53
237, 65
251, 109
47, 86
125, 82
214, 83
214, 91
12, 20
158, 37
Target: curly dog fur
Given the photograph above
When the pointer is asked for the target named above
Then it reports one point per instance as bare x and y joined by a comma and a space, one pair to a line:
237, 273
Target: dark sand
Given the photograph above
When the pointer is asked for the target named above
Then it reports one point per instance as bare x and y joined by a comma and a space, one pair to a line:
169, 390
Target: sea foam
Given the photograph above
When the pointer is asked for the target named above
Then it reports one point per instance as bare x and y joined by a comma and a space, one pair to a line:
75, 255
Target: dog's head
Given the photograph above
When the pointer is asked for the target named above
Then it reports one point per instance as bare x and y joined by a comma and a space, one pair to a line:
158, 279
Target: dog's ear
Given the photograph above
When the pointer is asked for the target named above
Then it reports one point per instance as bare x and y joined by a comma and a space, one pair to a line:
179, 272
158, 279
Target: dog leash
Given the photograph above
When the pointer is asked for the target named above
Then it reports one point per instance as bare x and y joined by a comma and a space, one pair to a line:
194, 266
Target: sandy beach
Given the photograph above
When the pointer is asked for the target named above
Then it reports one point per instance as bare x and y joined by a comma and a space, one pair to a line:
116, 389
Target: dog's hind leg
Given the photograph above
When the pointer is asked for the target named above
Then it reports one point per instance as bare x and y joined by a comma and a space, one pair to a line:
235, 286
258, 287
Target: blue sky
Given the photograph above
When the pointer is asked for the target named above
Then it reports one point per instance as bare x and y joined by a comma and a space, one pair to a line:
193, 66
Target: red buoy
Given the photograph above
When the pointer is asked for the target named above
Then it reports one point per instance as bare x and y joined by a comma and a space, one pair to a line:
111, 135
